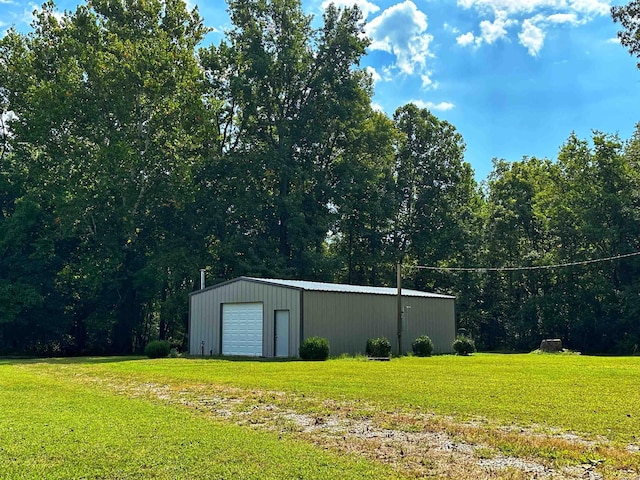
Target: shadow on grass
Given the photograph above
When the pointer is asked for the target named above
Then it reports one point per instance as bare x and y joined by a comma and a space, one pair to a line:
241, 359
69, 360
119, 359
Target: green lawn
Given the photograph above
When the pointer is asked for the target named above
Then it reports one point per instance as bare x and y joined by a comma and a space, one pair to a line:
585, 395
53, 428
59, 419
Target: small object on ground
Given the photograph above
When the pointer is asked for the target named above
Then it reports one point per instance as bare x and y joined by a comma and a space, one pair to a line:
551, 345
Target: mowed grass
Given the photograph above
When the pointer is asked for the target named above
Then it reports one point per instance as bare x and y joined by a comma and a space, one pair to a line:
54, 428
589, 396
91, 417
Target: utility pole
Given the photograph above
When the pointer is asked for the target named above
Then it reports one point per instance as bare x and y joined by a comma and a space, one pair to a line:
399, 312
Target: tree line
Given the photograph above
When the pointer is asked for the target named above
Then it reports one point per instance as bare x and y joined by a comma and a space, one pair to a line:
131, 156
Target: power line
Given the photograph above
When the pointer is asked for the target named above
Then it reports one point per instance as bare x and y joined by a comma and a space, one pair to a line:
515, 269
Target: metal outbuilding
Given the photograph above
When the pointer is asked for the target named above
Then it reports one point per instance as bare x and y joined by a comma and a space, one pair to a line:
270, 317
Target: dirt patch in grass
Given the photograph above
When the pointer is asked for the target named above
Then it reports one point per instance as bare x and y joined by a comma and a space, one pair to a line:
414, 443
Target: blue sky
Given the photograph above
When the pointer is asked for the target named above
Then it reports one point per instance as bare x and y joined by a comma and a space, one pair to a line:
515, 77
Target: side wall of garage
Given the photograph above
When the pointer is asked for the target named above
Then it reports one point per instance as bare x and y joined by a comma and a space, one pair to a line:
347, 320
435, 317
205, 316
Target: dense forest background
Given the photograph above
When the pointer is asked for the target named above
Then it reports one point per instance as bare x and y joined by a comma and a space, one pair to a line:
131, 156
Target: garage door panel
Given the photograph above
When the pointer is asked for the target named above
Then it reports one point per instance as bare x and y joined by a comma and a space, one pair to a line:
242, 329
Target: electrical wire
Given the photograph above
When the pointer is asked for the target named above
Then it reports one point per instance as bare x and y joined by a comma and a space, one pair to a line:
515, 269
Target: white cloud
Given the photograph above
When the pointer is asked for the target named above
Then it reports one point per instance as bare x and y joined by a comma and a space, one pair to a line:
365, 6
531, 37
590, 7
377, 107
563, 18
427, 82
401, 31
375, 76
27, 14
442, 106
451, 28
492, 31
615, 40
388, 73
523, 7
466, 39
5, 120
535, 16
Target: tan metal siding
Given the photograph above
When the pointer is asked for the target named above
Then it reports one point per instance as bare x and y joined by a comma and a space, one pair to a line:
202, 314
347, 320
434, 317
206, 311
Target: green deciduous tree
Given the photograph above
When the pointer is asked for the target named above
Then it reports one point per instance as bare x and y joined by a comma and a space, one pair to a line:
580, 208
435, 193
128, 161
110, 118
290, 96
514, 235
364, 200
597, 216
629, 18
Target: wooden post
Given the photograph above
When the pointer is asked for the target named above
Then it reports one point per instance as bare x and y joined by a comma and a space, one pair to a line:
399, 312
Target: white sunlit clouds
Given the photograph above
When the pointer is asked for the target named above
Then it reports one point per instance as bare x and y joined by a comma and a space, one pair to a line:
530, 18
493, 31
5, 120
442, 106
516, 7
375, 76
427, 81
365, 6
531, 37
466, 39
490, 32
401, 30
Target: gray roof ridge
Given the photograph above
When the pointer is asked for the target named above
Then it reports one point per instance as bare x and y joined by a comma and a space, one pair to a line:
341, 287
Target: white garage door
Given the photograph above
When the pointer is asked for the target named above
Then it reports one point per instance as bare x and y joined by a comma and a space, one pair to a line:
242, 329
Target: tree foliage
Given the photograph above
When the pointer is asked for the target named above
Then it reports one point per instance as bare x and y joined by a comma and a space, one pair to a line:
538, 213
290, 98
628, 16
107, 100
131, 155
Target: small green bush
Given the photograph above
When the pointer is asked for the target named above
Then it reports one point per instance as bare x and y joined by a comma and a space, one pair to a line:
157, 349
378, 347
422, 346
314, 348
464, 345
173, 353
